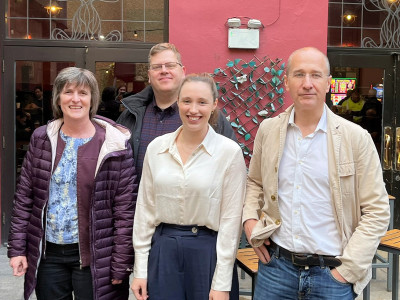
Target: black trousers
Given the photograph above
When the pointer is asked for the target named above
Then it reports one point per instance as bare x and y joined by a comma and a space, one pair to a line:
59, 275
182, 261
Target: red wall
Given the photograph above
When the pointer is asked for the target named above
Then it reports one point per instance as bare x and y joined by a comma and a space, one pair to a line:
198, 29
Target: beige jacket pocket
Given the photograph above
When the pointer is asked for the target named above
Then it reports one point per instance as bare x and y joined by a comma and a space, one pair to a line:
347, 178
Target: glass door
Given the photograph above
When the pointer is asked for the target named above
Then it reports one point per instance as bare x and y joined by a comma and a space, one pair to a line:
28, 76
29, 73
120, 72
378, 71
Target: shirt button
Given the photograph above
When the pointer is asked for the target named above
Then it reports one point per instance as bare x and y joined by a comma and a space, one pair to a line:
194, 229
273, 198
277, 222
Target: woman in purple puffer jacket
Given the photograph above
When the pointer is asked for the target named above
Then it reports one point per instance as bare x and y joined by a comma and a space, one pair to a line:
71, 229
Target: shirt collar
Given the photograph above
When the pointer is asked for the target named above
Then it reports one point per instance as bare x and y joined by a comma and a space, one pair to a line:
322, 124
170, 110
208, 144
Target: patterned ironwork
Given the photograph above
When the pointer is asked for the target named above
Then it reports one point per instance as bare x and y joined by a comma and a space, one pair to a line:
248, 93
86, 25
390, 30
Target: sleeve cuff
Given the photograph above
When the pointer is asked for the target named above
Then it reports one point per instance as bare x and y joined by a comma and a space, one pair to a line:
222, 280
140, 267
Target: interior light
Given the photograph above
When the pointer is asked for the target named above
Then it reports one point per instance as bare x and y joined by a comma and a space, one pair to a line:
349, 18
53, 8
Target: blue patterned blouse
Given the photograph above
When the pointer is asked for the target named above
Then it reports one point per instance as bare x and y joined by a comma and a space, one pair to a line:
62, 213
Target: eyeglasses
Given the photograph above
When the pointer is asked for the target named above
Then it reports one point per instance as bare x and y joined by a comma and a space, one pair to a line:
312, 76
168, 66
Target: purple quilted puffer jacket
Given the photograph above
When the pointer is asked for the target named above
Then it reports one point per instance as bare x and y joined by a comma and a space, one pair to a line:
111, 212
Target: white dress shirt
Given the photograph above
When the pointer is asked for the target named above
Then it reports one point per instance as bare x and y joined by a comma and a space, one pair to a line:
308, 223
208, 190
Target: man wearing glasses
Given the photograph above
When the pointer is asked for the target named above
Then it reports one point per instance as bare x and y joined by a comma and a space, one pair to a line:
317, 179
153, 111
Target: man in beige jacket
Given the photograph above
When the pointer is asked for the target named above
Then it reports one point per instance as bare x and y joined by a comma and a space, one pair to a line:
316, 205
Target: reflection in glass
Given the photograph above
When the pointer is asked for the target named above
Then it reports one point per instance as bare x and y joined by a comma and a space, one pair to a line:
122, 79
387, 148
397, 164
33, 84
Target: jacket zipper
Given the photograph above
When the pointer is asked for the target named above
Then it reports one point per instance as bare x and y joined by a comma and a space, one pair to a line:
91, 231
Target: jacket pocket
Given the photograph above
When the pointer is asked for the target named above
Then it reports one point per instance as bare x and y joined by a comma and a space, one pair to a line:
347, 173
346, 169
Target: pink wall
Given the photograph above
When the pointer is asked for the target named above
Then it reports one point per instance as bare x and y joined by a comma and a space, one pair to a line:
198, 29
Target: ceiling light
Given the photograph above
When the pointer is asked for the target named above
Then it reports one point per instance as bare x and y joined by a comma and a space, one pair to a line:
349, 18
53, 8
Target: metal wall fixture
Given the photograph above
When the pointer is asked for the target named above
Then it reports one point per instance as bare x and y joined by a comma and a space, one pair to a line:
244, 38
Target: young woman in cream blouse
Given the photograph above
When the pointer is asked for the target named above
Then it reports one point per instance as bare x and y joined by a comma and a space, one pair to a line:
188, 215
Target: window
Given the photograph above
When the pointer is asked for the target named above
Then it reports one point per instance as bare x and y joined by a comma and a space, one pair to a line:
85, 20
363, 23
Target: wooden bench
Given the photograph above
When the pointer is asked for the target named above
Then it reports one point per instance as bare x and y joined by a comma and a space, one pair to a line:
380, 262
391, 244
247, 260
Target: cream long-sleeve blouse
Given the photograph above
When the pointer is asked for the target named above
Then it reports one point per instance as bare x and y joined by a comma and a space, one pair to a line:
208, 190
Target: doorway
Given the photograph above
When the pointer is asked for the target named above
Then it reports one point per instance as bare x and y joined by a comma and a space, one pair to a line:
29, 73
378, 70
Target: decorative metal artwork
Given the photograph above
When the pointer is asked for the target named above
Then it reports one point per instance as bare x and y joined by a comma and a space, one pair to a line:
390, 29
86, 25
248, 93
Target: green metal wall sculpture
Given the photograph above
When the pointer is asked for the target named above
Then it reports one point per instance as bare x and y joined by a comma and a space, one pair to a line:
248, 93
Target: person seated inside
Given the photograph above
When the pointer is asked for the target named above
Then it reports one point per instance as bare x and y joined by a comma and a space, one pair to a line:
23, 126
372, 118
337, 109
39, 106
372, 102
348, 95
354, 105
109, 106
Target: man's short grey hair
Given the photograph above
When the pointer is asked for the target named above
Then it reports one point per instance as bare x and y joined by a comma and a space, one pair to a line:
289, 62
